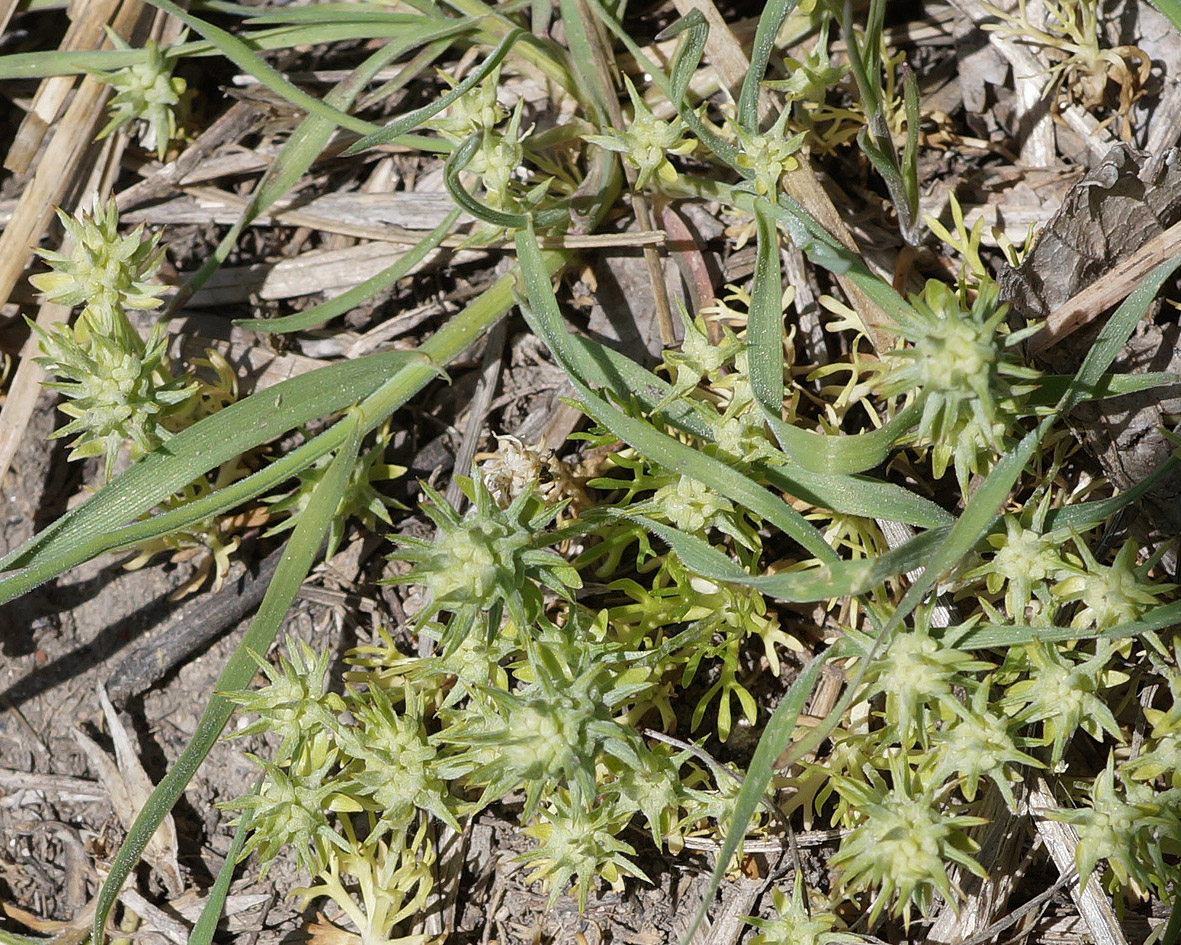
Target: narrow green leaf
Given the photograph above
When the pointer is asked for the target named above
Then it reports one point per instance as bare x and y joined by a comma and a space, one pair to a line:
207, 922
1051, 387
346, 301
1089, 514
833, 454
857, 495
193, 452
464, 200
582, 60
823, 454
774, 14
717, 475
775, 738
297, 560
327, 12
545, 319
53, 62
764, 326
191, 514
1172, 10
685, 60
829, 581
985, 636
1115, 333
246, 59
412, 120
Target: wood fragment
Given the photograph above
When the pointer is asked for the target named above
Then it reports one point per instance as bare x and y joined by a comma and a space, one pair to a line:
478, 409
1103, 293
84, 32
1001, 850
7, 8
238, 120
60, 788
315, 271
729, 924
191, 629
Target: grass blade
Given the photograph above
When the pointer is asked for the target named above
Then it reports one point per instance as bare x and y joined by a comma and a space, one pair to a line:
842, 579
193, 452
319, 314
545, 319
776, 736
206, 924
412, 120
1172, 10
764, 326
771, 20
248, 61
301, 552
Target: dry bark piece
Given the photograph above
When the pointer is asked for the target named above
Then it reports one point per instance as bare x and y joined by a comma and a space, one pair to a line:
1129, 199
1109, 214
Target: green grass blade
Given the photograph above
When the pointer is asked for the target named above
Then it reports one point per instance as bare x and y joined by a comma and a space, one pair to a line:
582, 60
248, 61
177, 520
331, 13
54, 62
823, 454
464, 200
207, 922
193, 452
545, 319
1115, 333
764, 326
298, 152
841, 579
834, 454
1089, 514
1051, 387
858, 495
319, 314
772, 18
776, 737
723, 478
297, 560
684, 65
1172, 10
412, 120
986, 636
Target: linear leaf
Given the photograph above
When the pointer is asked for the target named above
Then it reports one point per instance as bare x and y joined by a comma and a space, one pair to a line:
346, 301
545, 319
191, 453
297, 560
